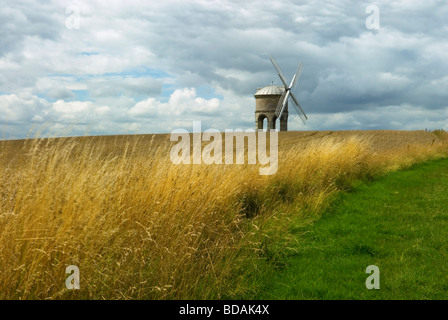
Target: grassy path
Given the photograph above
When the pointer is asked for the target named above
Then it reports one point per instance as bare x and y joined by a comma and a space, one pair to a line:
398, 223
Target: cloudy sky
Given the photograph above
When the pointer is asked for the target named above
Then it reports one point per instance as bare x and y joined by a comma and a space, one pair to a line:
117, 67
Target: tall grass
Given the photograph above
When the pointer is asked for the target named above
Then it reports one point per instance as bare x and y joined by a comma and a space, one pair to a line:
139, 227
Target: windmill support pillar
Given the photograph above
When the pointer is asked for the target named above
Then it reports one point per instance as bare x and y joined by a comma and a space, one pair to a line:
272, 123
284, 124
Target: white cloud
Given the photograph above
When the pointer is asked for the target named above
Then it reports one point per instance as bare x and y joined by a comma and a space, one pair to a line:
21, 108
147, 108
182, 102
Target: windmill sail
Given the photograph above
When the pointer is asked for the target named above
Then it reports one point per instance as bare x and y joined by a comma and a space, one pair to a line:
279, 71
299, 109
283, 101
297, 76
278, 110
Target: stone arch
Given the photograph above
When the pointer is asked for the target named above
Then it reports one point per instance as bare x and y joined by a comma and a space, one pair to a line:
260, 121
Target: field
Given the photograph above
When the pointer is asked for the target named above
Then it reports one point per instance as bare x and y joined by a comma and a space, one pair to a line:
397, 223
140, 227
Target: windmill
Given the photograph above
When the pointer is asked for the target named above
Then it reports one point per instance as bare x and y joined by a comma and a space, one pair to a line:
283, 101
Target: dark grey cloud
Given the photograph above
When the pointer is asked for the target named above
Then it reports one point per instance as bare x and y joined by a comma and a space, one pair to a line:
23, 19
131, 86
60, 93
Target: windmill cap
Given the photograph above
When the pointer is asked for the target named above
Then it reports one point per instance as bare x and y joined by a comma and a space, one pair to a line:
270, 90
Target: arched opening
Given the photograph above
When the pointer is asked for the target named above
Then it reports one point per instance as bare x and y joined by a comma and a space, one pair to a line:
277, 123
262, 122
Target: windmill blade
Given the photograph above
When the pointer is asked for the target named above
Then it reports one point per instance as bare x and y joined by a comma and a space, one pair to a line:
283, 105
299, 109
280, 104
302, 115
279, 71
296, 77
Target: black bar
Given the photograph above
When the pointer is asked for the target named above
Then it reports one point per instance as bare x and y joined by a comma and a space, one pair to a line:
218, 309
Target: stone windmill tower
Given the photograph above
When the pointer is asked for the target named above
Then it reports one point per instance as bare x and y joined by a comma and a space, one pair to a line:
271, 102
266, 101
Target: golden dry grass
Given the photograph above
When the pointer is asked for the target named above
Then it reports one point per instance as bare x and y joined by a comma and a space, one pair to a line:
139, 227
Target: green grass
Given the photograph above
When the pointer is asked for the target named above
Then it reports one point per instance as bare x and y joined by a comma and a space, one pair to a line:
398, 223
